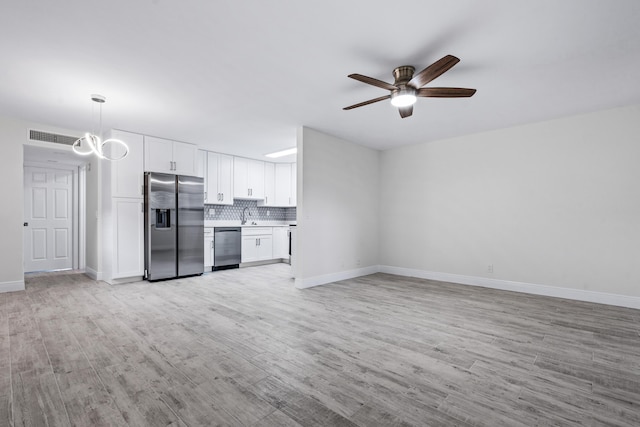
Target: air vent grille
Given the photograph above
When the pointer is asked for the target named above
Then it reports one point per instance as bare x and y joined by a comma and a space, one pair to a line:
36, 135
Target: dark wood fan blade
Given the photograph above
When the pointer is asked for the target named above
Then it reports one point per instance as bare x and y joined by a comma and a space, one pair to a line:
405, 111
372, 81
432, 71
371, 101
445, 92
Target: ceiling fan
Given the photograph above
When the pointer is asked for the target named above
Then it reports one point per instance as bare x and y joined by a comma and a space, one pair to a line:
407, 88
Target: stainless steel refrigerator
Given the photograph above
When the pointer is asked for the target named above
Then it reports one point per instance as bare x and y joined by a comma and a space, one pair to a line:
174, 225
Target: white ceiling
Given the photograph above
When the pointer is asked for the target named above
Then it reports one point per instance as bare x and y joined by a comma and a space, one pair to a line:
241, 76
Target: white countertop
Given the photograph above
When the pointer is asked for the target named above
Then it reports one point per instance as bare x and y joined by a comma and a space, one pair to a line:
214, 223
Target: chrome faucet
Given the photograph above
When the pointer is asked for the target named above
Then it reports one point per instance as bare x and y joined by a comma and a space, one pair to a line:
244, 217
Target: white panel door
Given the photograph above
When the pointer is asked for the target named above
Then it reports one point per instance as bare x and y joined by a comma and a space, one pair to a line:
48, 198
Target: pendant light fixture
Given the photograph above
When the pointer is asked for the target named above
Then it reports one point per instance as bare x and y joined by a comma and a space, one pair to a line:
92, 144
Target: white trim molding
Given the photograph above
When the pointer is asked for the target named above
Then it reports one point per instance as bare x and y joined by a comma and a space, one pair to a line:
18, 285
335, 277
528, 288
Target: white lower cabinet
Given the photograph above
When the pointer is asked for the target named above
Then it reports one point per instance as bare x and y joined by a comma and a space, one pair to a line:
208, 248
280, 242
128, 244
257, 244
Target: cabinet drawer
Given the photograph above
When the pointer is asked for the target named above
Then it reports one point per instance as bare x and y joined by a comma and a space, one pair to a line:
257, 231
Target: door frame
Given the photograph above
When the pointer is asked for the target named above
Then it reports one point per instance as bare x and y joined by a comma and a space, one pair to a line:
78, 207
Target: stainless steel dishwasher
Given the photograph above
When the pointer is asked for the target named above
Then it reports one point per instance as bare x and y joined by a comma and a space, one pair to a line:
226, 244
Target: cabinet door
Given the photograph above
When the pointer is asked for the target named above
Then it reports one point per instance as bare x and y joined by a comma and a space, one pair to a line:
201, 165
294, 185
265, 248
184, 158
128, 241
211, 179
208, 248
240, 178
127, 174
225, 179
269, 185
158, 155
213, 252
255, 179
280, 242
249, 249
283, 184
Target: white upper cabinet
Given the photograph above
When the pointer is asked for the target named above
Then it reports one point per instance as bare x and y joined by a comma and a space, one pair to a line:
269, 185
164, 155
201, 164
127, 174
294, 185
225, 179
219, 179
283, 184
248, 179
184, 158
158, 155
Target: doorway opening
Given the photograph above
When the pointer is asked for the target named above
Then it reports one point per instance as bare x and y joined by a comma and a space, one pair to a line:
54, 209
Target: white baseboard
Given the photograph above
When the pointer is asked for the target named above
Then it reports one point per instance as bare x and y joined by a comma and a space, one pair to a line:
18, 285
528, 288
123, 280
95, 275
335, 277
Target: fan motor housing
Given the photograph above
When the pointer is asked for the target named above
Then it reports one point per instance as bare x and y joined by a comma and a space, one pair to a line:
403, 74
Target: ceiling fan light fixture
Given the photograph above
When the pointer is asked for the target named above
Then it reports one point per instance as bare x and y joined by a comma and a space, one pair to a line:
403, 98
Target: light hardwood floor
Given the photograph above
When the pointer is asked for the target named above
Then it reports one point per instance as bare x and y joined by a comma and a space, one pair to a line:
243, 347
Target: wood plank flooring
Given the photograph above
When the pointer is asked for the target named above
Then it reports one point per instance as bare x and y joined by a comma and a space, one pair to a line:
244, 348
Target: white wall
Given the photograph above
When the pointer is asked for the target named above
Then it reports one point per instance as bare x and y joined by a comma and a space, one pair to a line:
94, 219
337, 212
12, 135
554, 203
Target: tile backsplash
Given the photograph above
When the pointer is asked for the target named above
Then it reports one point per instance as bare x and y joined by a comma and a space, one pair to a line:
257, 213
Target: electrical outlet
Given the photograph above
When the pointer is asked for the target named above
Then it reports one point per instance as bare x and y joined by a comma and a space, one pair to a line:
490, 268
